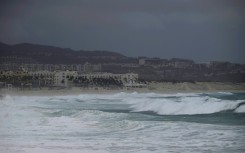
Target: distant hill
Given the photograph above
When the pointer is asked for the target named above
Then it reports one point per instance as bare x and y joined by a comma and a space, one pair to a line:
55, 55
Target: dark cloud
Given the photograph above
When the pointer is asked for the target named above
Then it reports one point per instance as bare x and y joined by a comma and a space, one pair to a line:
202, 30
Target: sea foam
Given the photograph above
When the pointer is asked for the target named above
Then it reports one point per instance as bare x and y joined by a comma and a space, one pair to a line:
181, 104
105, 123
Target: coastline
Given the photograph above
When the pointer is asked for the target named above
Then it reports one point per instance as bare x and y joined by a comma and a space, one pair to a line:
161, 88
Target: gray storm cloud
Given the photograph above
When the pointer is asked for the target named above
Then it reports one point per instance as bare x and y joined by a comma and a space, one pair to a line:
202, 30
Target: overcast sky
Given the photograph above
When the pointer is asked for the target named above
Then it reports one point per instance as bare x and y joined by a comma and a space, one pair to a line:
202, 30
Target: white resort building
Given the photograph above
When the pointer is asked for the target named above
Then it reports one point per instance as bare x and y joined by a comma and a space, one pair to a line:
61, 78
66, 78
124, 78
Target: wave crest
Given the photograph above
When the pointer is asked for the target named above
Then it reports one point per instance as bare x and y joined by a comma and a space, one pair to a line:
187, 106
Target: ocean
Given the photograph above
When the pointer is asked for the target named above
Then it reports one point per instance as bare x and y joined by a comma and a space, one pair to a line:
124, 123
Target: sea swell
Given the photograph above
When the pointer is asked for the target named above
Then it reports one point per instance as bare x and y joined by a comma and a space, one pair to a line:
161, 104
187, 105
123, 122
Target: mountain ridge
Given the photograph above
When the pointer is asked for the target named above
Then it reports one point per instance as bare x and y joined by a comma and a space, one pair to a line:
57, 55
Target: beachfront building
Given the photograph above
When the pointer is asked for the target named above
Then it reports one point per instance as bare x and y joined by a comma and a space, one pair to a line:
64, 78
44, 78
124, 78
129, 78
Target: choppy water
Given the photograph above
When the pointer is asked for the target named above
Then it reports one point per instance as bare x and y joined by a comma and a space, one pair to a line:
123, 122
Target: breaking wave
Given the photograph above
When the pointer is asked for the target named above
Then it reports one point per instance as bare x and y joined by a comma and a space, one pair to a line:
118, 123
161, 104
188, 105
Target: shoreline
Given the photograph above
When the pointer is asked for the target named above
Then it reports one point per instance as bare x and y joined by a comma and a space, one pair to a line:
160, 88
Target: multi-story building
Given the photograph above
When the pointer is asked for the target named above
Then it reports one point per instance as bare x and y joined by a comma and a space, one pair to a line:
44, 78
63, 78
87, 67
124, 78
157, 62
182, 63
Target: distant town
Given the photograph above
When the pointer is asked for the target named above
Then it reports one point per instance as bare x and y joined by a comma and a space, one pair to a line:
30, 65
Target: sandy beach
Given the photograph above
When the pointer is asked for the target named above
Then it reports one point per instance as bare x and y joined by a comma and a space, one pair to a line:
199, 87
